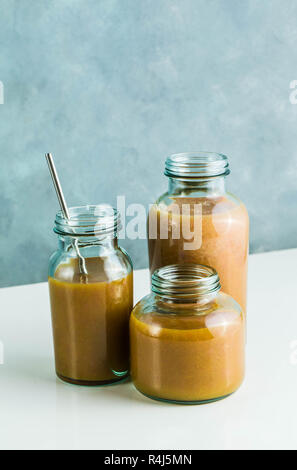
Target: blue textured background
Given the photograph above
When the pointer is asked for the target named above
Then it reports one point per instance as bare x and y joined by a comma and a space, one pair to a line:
112, 87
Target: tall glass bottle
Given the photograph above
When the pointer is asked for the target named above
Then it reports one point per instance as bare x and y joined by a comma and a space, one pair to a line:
198, 221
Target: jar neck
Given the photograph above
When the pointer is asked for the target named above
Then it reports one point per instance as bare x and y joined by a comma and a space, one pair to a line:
185, 284
199, 304
210, 187
106, 243
88, 224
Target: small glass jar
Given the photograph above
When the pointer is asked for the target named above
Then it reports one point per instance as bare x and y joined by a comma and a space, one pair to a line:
91, 294
197, 221
187, 338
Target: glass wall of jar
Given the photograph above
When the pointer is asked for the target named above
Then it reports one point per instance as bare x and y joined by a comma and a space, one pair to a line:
91, 294
197, 221
187, 338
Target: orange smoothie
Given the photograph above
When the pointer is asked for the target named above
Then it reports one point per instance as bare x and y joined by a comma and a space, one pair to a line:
221, 228
188, 358
90, 324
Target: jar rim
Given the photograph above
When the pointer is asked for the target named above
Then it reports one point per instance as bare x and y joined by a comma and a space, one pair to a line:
185, 281
90, 220
196, 165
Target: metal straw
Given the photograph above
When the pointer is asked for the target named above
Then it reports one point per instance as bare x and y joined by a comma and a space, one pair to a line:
64, 208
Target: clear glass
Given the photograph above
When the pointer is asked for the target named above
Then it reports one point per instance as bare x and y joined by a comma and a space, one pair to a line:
206, 224
90, 312
187, 351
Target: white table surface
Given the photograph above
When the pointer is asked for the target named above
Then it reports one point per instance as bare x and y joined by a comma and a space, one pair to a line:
37, 411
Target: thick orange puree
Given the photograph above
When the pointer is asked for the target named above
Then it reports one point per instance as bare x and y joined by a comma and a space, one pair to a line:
183, 357
222, 238
90, 324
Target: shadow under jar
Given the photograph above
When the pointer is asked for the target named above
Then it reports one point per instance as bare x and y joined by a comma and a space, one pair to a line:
90, 311
197, 221
187, 338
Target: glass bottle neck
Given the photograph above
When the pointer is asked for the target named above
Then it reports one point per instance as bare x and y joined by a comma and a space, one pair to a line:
215, 186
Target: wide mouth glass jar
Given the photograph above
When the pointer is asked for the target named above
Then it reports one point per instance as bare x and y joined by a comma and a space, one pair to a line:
187, 338
91, 293
198, 221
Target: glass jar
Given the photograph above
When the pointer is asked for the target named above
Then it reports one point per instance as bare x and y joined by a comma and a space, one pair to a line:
187, 338
91, 294
197, 221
